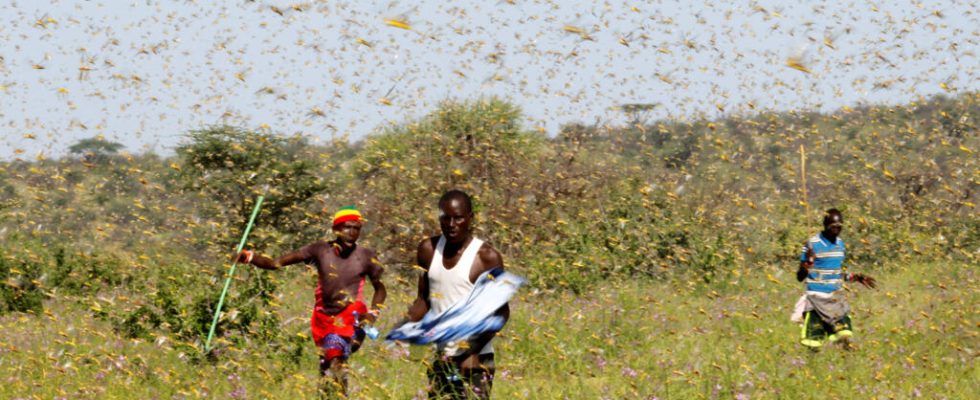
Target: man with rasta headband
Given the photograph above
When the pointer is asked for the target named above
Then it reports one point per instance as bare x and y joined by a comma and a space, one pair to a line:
823, 309
342, 267
453, 262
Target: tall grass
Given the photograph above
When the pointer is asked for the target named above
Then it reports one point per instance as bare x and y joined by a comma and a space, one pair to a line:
916, 336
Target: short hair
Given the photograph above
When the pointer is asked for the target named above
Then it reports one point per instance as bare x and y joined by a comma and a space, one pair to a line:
828, 217
456, 194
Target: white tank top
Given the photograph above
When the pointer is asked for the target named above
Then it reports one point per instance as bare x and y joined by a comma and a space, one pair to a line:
450, 286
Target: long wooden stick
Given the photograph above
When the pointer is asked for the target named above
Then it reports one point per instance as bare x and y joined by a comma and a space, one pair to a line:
803, 178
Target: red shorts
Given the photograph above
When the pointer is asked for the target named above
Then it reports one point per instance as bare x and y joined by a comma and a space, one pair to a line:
341, 324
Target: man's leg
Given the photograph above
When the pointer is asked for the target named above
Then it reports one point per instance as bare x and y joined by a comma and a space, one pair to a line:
814, 332
333, 378
333, 367
842, 332
445, 381
842, 329
357, 340
480, 381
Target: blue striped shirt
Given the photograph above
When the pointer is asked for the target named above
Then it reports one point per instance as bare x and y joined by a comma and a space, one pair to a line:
826, 274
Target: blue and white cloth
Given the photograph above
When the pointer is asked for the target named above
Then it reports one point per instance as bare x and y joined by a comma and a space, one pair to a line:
470, 317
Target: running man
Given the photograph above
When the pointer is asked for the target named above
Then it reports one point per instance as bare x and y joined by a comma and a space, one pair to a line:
452, 264
339, 310
823, 307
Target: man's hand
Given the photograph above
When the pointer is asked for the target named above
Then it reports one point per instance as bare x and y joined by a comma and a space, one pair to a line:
370, 317
243, 257
417, 310
804, 270
865, 280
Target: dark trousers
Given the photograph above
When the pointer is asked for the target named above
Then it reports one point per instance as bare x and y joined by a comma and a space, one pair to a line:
818, 329
446, 381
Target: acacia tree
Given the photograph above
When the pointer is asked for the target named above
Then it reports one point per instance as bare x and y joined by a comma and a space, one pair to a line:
95, 149
637, 112
229, 167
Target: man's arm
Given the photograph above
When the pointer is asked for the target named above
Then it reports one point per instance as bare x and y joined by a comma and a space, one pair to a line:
263, 262
380, 293
490, 259
806, 262
423, 257
863, 279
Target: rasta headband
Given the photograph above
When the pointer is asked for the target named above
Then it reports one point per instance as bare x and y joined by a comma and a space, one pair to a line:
346, 213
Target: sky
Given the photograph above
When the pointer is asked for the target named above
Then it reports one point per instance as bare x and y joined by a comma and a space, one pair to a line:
144, 73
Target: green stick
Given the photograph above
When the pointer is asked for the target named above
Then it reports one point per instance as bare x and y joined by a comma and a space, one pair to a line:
221, 300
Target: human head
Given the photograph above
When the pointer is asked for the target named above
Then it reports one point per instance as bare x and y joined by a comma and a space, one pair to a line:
347, 222
455, 216
833, 221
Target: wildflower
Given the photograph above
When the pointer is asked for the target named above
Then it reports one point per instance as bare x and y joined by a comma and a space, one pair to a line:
238, 393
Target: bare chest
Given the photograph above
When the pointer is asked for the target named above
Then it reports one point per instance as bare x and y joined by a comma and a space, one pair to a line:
336, 271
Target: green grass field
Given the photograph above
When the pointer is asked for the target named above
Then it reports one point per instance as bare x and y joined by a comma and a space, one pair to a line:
916, 336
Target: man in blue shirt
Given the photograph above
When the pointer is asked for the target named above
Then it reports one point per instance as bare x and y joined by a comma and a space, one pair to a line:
821, 268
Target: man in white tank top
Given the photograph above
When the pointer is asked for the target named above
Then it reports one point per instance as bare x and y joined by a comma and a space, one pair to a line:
453, 262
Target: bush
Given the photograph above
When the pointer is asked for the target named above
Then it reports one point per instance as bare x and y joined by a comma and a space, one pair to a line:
33, 270
478, 147
20, 271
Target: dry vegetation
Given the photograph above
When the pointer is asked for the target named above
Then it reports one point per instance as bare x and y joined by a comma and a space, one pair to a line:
660, 256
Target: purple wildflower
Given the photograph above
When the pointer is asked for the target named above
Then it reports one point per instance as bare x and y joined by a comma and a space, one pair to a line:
600, 362
238, 393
